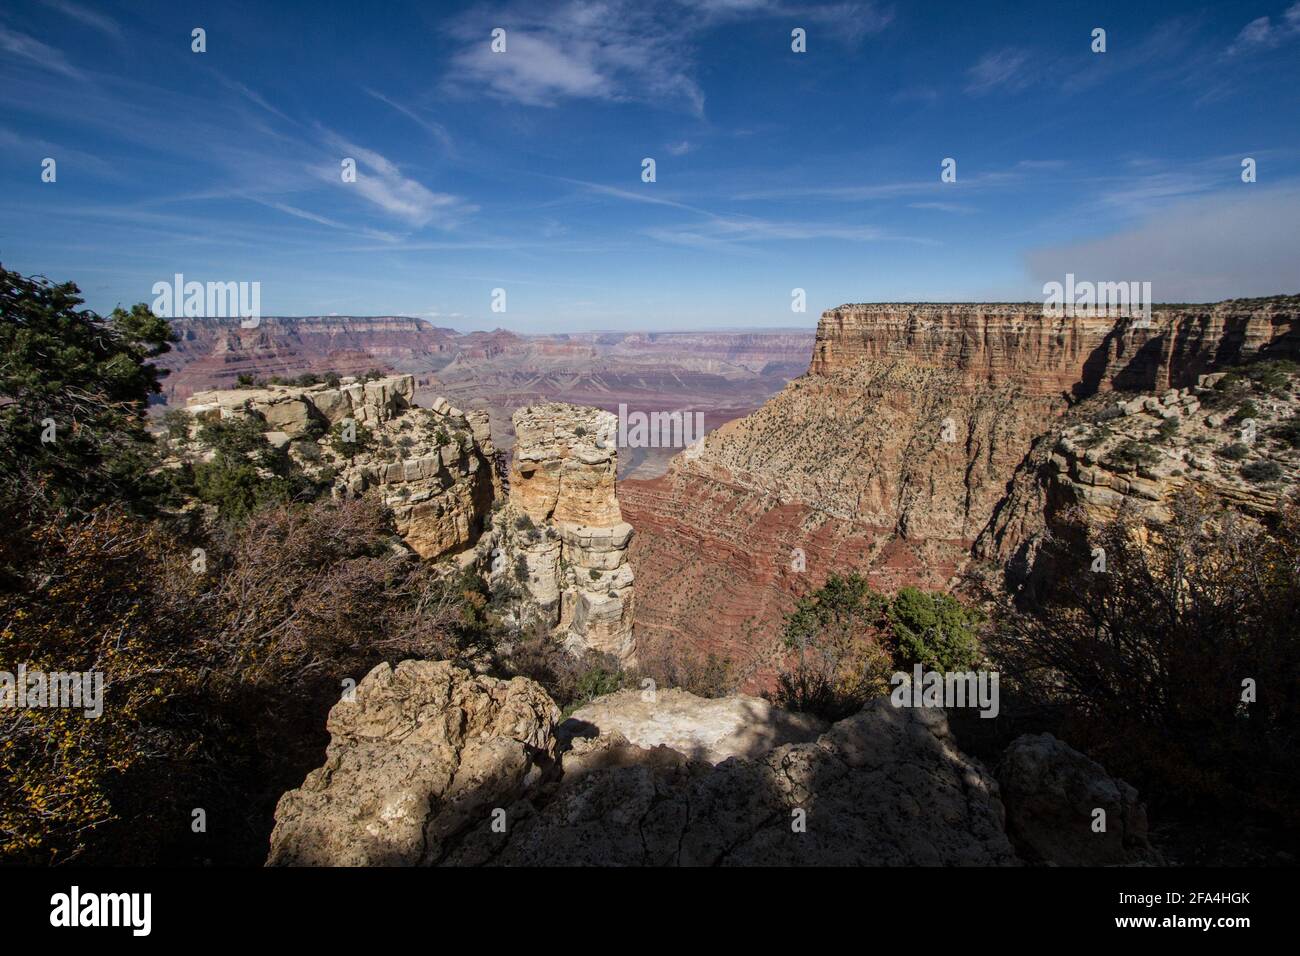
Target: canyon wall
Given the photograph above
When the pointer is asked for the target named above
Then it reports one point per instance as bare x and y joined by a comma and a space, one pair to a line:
893, 455
213, 353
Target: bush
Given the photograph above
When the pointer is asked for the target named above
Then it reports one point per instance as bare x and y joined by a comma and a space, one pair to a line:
246, 473
1131, 455
837, 634
1144, 665
934, 630
1287, 432
1263, 470
362, 439
1234, 452
1244, 411
177, 421
216, 681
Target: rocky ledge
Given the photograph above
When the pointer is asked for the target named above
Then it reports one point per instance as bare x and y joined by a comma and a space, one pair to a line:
431, 466
431, 765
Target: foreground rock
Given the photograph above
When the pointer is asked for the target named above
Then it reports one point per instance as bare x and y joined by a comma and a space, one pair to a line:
1053, 792
704, 729
422, 753
884, 788
431, 765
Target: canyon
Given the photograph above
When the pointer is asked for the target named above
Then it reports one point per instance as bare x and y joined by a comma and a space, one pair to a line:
913, 449
722, 374
924, 444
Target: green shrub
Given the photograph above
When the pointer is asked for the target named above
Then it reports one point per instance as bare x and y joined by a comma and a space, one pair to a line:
934, 630
1131, 455
1287, 432
1234, 452
1260, 471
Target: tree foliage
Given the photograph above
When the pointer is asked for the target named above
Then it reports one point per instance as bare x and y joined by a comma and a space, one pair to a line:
84, 381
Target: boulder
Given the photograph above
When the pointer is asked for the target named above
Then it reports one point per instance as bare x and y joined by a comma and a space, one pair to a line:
885, 787
422, 752
1052, 794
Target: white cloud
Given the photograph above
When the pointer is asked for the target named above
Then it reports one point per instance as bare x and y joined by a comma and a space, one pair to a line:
381, 182
34, 51
617, 50
1262, 34
679, 149
1235, 243
91, 18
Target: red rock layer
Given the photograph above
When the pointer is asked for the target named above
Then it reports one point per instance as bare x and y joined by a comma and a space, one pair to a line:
890, 457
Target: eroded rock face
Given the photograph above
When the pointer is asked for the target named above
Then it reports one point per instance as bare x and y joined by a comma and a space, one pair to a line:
421, 754
1052, 794
432, 466
702, 728
561, 538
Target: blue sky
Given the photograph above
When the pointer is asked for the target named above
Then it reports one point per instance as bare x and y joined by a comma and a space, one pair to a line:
775, 170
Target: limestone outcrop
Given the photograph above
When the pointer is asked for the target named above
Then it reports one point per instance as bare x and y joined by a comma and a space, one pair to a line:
420, 754
433, 467
292, 409
561, 539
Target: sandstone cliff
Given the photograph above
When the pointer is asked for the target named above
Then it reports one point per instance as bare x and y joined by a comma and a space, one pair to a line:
561, 536
894, 453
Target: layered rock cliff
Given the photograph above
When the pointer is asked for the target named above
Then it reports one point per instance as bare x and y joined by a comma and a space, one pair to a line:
561, 538
894, 453
213, 353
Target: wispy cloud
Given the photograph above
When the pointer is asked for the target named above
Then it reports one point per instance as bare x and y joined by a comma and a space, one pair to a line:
999, 70
382, 183
618, 50
1263, 34
91, 18
436, 129
35, 52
